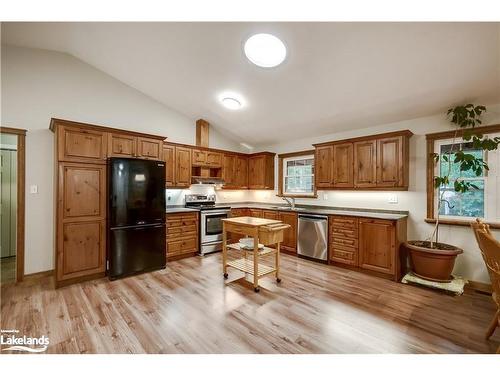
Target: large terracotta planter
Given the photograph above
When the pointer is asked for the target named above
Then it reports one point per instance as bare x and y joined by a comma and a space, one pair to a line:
435, 264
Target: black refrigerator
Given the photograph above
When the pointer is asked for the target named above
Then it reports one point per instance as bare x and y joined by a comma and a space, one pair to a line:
136, 214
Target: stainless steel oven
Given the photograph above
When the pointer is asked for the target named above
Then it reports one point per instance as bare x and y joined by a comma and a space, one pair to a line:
210, 221
211, 229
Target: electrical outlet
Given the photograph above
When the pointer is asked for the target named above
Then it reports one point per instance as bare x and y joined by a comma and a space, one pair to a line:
393, 198
34, 189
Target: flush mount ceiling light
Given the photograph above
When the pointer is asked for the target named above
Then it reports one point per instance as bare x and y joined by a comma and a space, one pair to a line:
265, 50
231, 103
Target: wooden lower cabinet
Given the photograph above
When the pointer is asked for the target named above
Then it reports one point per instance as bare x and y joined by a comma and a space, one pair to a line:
343, 239
81, 250
270, 214
370, 244
80, 222
182, 235
255, 212
377, 245
289, 243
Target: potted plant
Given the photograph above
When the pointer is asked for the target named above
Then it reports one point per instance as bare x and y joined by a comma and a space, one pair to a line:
431, 259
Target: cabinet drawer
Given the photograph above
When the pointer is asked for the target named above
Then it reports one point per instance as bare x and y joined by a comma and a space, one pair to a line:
199, 157
344, 222
350, 242
182, 222
343, 232
344, 256
185, 245
181, 231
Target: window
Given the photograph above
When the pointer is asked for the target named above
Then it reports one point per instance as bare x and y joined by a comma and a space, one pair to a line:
297, 172
482, 202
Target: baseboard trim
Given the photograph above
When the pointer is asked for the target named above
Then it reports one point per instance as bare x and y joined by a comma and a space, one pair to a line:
479, 287
39, 274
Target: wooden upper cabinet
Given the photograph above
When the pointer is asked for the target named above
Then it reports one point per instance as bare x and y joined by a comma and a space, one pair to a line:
323, 166
121, 145
377, 245
214, 159
373, 162
229, 170
149, 148
390, 162
182, 167
241, 172
290, 236
365, 164
206, 158
81, 145
343, 171
261, 171
169, 158
199, 157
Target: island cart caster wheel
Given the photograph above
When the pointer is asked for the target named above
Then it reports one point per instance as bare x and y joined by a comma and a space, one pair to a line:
278, 280
257, 290
225, 275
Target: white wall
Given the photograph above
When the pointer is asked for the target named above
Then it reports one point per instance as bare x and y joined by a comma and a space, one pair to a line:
470, 263
37, 85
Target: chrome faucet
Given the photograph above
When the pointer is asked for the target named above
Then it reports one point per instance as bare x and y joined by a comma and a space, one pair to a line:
290, 201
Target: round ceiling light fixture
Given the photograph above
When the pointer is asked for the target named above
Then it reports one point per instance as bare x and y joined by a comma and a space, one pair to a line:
265, 50
231, 103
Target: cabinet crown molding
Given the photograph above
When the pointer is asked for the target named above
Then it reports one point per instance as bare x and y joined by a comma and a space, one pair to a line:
404, 133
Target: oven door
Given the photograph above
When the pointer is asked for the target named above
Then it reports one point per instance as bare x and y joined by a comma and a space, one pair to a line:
211, 225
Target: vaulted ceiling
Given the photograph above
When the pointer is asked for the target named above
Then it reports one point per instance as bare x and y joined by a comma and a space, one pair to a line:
337, 76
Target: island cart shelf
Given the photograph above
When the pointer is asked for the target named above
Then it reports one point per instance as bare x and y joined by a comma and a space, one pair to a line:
265, 231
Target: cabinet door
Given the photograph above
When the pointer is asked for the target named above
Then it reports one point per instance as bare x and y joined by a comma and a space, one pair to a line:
323, 166
241, 172
169, 157
121, 145
81, 220
269, 214
149, 148
255, 212
343, 171
182, 167
365, 164
81, 249
81, 145
377, 245
290, 236
199, 157
256, 172
82, 191
228, 170
390, 162
214, 159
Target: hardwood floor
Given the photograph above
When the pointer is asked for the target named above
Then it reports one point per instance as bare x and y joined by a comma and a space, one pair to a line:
187, 309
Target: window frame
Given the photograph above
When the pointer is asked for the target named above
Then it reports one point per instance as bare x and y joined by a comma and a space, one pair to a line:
281, 175
432, 139
449, 141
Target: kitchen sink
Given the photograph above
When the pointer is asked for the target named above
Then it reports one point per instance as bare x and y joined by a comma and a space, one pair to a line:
282, 208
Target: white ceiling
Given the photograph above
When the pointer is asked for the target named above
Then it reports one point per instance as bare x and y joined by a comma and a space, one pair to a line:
337, 76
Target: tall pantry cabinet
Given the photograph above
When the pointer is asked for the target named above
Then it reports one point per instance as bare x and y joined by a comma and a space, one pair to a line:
81, 152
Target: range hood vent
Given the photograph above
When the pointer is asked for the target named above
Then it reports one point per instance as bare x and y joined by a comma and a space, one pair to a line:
207, 180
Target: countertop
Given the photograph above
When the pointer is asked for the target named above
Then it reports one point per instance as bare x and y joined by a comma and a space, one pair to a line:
303, 209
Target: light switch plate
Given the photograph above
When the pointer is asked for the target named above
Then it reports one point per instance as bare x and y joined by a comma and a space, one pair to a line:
33, 189
325, 196
393, 198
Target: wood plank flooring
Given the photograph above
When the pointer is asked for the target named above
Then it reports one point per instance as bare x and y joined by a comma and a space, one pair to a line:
187, 308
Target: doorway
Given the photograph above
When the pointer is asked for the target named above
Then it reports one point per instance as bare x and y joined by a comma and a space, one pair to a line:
12, 166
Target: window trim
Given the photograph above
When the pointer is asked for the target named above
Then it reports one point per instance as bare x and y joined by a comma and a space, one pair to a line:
281, 158
431, 199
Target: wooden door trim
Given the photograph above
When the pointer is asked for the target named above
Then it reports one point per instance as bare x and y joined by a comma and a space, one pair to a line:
21, 197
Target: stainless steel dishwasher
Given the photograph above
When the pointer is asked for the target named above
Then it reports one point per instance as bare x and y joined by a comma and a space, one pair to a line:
313, 236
